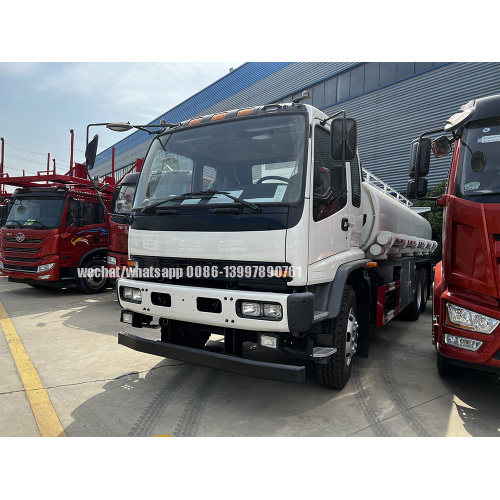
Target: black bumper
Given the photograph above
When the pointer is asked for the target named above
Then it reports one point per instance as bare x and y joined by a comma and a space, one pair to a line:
273, 371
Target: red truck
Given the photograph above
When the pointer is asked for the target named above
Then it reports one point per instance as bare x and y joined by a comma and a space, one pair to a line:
56, 229
466, 307
122, 202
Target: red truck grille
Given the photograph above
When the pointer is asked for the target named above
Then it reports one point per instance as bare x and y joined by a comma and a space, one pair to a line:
24, 269
27, 240
25, 252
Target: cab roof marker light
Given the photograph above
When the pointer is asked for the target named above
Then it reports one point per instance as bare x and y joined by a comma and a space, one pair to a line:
195, 121
220, 116
244, 112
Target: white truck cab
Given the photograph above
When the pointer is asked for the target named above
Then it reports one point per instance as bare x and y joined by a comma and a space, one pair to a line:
247, 224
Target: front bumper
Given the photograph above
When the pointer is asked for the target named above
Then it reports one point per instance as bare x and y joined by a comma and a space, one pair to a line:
258, 369
298, 308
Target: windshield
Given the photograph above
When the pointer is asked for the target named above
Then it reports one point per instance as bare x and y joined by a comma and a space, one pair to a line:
36, 213
259, 160
125, 198
478, 175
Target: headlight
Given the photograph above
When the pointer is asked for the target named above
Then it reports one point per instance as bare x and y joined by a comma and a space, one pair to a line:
469, 320
130, 294
273, 311
45, 267
251, 309
262, 310
462, 342
111, 261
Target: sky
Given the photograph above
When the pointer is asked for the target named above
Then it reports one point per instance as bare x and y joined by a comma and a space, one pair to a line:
40, 103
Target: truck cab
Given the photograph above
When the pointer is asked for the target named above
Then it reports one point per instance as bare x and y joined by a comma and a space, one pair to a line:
122, 202
467, 281
53, 232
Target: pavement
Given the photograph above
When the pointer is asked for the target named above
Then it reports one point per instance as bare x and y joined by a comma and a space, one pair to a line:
100, 388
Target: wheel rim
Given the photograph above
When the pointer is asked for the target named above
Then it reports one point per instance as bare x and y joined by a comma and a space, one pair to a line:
94, 282
351, 343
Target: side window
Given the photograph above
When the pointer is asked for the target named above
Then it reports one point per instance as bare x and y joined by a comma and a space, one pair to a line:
329, 183
356, 182
88, 213
72, 213
208, 177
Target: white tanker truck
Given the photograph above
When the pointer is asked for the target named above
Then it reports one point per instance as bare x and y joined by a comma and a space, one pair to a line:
254, 226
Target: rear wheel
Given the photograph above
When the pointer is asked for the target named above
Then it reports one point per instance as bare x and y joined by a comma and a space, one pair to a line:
412, 311
446, 369
94, 282
344, 329
424, 280
181, 334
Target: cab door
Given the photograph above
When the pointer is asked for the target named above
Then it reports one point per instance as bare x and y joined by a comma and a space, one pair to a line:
84, 230
330, 227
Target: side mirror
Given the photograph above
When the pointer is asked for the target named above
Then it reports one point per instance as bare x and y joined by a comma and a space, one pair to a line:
114, 197
91, 152
339, 139
441, 146
416, 189
420, 158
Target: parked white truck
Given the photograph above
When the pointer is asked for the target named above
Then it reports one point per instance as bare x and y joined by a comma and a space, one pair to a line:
255, 225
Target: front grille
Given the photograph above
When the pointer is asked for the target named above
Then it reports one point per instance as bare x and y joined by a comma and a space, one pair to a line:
22, 259
27, 240
24, 269
223, 280
21, 250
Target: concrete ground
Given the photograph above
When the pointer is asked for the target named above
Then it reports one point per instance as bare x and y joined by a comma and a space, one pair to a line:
99, 388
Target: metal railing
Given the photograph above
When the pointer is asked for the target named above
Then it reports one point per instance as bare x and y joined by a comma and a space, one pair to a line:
379, 184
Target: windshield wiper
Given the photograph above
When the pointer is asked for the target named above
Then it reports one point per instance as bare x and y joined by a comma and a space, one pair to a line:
38, 222
16, 221
202, 194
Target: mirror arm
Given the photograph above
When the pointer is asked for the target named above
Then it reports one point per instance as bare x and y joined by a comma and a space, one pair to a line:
322, 122
431, 132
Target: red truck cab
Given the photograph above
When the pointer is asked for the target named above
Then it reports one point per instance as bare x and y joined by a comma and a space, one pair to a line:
55, 232
466, 300
119, 226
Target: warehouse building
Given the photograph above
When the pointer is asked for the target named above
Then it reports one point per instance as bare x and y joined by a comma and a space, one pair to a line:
393, 102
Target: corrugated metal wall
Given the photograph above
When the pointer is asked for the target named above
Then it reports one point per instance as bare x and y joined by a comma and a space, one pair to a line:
388, 118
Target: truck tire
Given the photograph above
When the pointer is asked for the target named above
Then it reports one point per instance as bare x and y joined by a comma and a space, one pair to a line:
181, 334
92, 284
424, 280
446, 369
412, 311
337, 371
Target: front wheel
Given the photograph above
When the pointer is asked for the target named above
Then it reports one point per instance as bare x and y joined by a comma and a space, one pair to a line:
94, 279
344, 329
